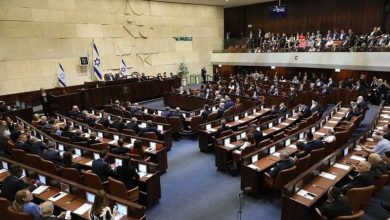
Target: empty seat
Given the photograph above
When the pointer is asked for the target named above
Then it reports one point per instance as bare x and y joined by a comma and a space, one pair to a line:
281, 179
118, 188
359, 197
13, 214
71, 174
92, 180
49, 167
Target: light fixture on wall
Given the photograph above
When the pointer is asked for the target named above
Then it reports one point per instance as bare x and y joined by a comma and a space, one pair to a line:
220, 65
273, 67
337, 70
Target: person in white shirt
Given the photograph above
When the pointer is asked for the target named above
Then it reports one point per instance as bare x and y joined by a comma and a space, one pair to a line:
330, 137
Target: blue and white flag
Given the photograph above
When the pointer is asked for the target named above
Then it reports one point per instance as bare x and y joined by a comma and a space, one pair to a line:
96, 63
61, 76
123, 68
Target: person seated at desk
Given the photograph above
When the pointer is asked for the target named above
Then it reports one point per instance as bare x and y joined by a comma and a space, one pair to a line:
271, 90
223, 127
221, 110
364, 177
120, 149
21, 143
150, 128
178, 114
136, 108
143, 77
336, 205
77, 137
36, 119
35, 146
329, 137
248, 141
51, 154
166, 113
101, 168
257, 135
75, 112
133, 125
206, 112
352, 112
274, 111
101, 208
282, 108
361, 104
138, 150
386, 132
67, 161
292, 94
229, 102
92, 139
3, 107
127, 174
315, 107
382, 145
301, 151
312, 144
104, 120
90, 120
47, 210
16, 132
284, 163
255, 97
304, 112
118, 124
325, 90
23, 203
67, 132
13, 183
378, 167
50, 126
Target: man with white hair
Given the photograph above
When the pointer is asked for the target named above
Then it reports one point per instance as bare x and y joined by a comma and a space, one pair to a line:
364, 177
330, 137
361, 104
284, 163
382, 145
47, 209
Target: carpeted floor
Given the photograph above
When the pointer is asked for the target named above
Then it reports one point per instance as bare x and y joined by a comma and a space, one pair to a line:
193, 189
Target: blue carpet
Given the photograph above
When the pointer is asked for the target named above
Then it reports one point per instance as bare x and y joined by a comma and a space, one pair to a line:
193, 189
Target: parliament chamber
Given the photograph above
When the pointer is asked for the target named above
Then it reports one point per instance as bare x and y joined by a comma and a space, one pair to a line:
185, 109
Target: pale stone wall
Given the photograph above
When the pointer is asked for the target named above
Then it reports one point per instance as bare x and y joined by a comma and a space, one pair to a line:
35, 35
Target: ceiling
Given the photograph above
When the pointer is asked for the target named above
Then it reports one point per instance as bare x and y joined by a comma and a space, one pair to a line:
226, 4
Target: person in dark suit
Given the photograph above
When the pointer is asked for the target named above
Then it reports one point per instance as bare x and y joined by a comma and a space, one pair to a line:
47, 209
120, 149
361, 104
312, 144
305, 112
77, 137
101, 168
75, 112
133, 125
36, 147
257, 135
386, 132
127, 174
138, 150
325, 90
67, 161
353, 112
203, 74
151, 128
301, 151
223, 127
15, 133
336, 205
104, 120
45, 102
292, 94
284, 163
118, 124
274, 111
92, 139
221, 110
12, 183
206, 112
51, 154
166, 113
90, 120
364, 177
378, 167
21, 143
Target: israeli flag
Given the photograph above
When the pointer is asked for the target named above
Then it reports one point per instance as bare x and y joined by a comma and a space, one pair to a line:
96, 63
61, 76
123, 68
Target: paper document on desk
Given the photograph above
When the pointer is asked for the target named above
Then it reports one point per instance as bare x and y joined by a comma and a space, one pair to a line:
241, 121
75, 156
385, 116
319, 133
237, 152
305, 194
89, 163
293, 146
39, 190
338, 118
252, 166
328, 175
276, 154
83, 209
341, 166
142, 174
230, 145
284, 123
333, 122
326, 127
358, 158
113, 142
128, 145
58, 197
275, 128
3, 171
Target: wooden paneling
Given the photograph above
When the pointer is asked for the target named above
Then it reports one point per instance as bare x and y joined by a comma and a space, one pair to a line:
306, 15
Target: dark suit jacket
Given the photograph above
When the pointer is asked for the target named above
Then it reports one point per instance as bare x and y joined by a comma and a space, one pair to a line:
151, 129
258, 136
363, 106
166, 114
306, 112
133, 126
313, 145
281, 165
337, 208
14, 134
21, 145
220, 130
90, 142
128, 176
10, 186
90, 122
205, 114
52, 155
379, 170
67, 134
36, 148
76, 138
220, 112
104, 121
360, 180
102, 169
387, 136
118, 125
119, 150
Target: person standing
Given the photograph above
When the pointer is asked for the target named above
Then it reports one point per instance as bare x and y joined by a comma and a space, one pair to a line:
204, 74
